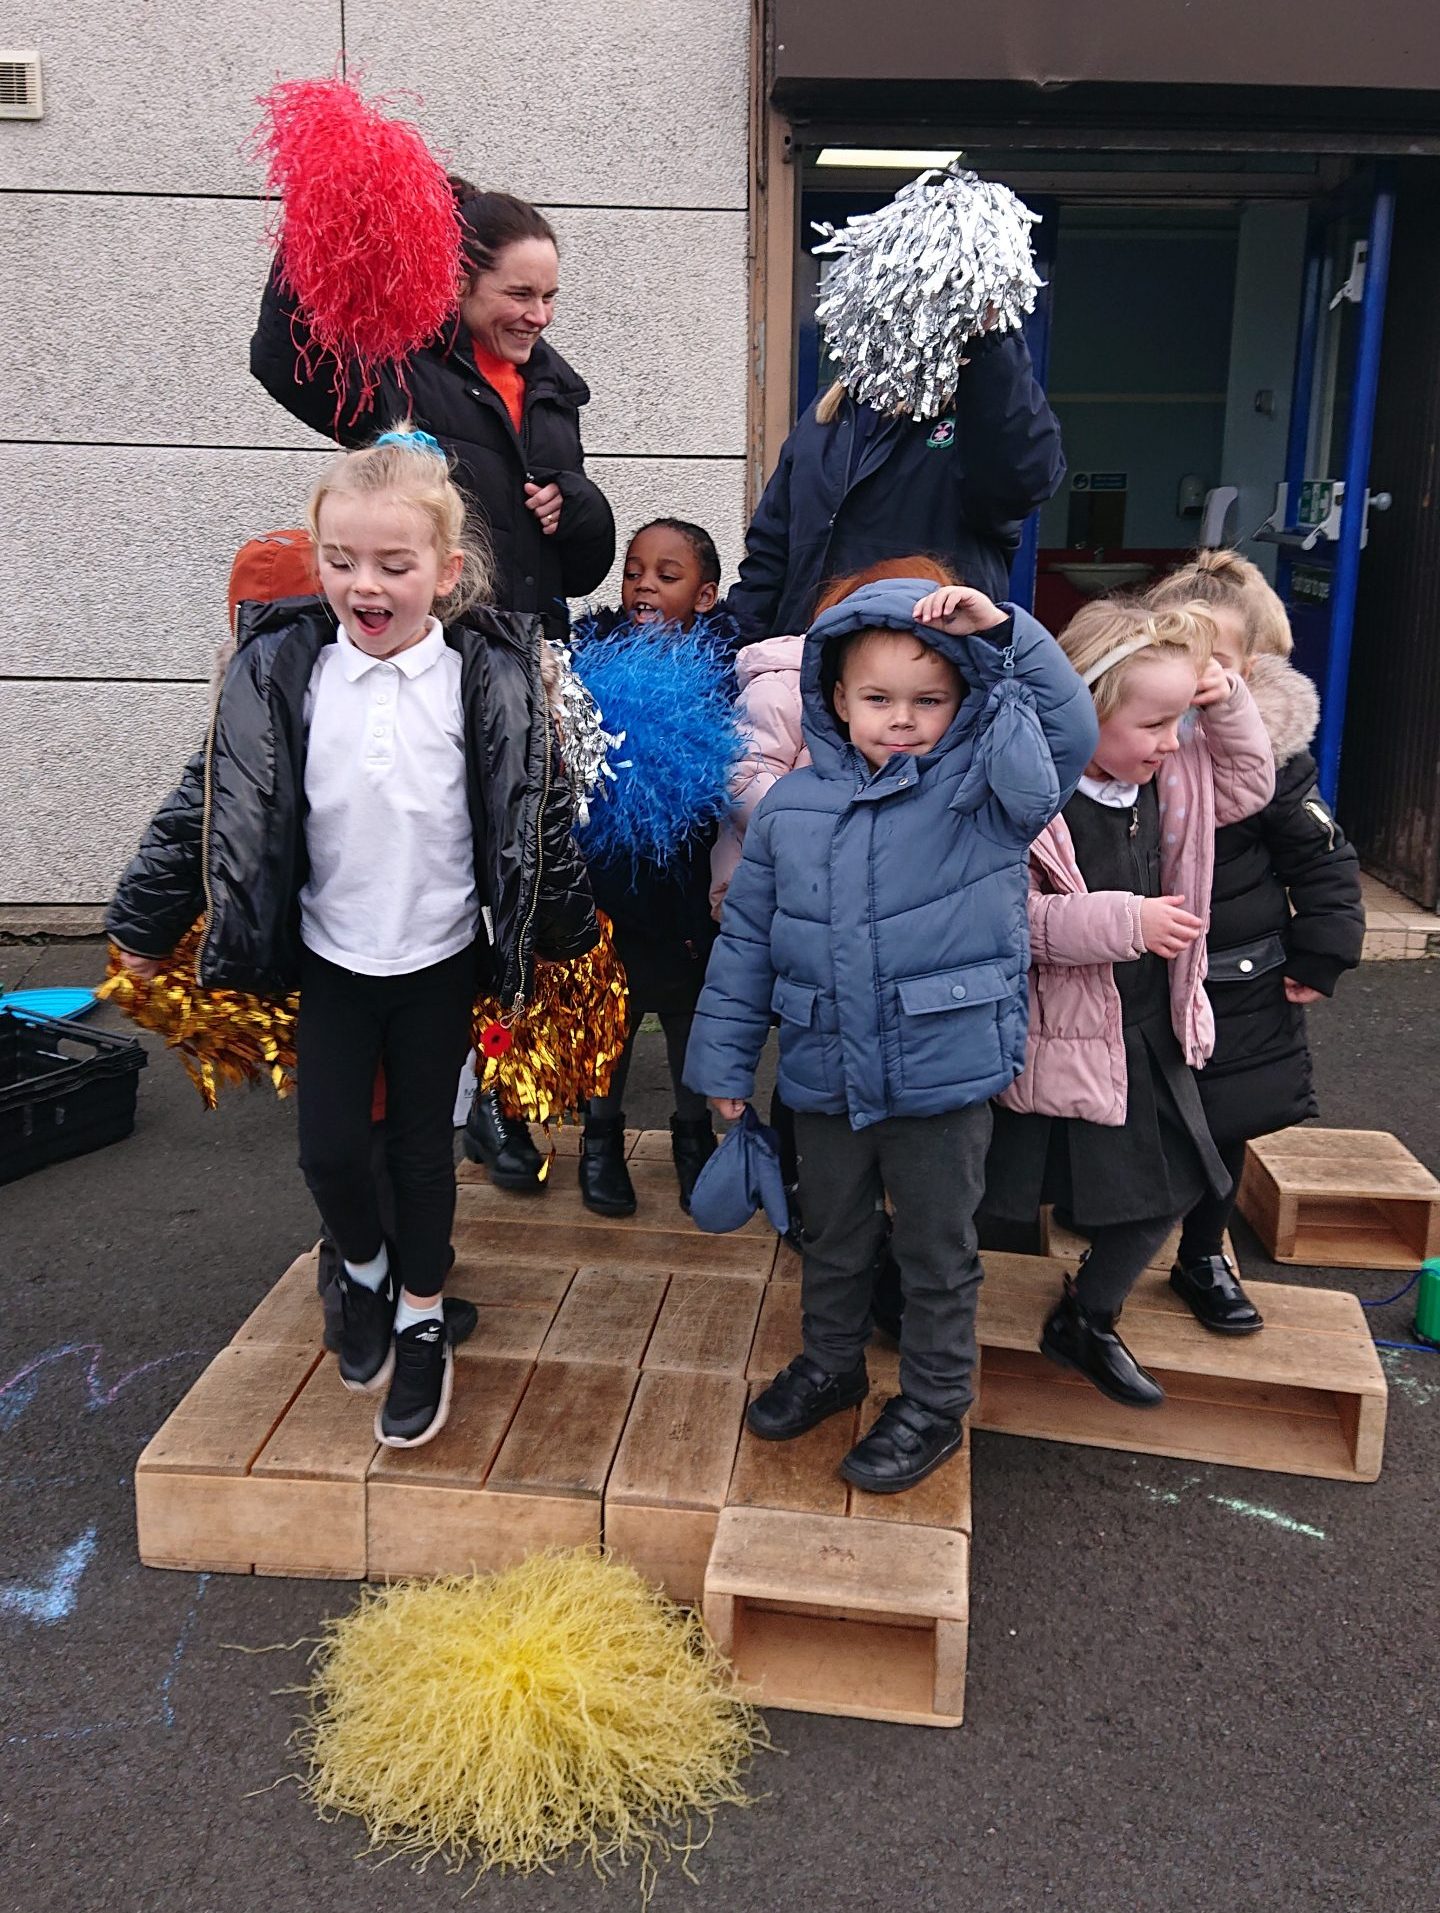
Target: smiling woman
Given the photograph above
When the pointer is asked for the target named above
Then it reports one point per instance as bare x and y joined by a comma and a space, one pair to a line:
501, 401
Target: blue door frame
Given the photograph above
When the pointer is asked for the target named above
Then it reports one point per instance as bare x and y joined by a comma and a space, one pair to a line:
1331, 664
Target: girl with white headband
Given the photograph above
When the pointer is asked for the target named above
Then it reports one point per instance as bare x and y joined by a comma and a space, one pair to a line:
1105, 1122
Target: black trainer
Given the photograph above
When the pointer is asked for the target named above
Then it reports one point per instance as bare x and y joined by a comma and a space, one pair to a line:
462, 1318
801, 1396
505, 1146
418, 1404
605, 1185
1077, 1338
907, 1442
367, 1322
1210, 1289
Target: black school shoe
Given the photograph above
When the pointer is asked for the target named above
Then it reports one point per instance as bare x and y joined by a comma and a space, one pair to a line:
418, 1404
1076, 1338
801, 1396
367, 1321
907, 1442
505, 1146
1210, 1289
605, 1185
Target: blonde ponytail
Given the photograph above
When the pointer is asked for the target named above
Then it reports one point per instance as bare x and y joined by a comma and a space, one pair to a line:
1225, 581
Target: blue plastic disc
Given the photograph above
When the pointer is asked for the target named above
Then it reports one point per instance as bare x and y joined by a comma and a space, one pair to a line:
60, 1003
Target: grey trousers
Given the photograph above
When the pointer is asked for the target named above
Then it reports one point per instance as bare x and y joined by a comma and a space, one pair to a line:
933, 1170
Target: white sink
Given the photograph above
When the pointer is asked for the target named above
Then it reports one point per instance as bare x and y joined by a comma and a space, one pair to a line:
1095, 580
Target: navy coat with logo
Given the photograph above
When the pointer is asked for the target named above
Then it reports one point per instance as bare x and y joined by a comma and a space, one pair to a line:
863, 488
882, 914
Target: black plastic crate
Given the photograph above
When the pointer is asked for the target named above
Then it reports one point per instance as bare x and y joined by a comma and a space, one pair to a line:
64, 1090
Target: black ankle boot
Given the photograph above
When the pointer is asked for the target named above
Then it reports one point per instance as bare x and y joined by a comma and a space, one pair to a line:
1076, 1338
605, 1184
692, 1144
503, 1146
1210, 1289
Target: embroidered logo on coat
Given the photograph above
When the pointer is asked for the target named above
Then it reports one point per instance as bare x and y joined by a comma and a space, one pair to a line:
943, 433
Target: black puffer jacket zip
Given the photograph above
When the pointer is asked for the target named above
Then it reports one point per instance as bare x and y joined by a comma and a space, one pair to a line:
1285, 902
229, 842
444, 394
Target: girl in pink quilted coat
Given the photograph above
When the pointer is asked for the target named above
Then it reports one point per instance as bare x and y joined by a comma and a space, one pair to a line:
1106, 1121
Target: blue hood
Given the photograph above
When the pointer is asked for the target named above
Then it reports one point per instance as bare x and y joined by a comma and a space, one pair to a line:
997, 730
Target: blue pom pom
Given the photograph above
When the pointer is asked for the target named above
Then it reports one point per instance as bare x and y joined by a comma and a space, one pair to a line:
672, 693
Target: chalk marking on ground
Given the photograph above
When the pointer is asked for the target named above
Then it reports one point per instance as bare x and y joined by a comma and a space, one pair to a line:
167, 1705
25, 1382
1412, 1387
53, 1599
1232, 1504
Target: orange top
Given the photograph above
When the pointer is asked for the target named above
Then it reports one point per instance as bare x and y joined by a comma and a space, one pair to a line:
507, 379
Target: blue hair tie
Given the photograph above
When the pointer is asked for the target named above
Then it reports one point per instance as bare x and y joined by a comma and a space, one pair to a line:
413, 441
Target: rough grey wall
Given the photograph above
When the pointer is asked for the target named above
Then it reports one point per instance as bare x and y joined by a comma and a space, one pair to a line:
136, 452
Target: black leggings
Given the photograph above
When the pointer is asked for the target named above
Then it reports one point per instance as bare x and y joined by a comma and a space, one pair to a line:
418, 1026
689, 1105
1205, 1226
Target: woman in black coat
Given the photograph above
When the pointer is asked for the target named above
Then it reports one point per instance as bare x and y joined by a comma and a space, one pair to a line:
853, 487
1286, 922
502, 402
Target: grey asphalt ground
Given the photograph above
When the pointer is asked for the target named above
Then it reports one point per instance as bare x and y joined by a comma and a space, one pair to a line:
1175, 1700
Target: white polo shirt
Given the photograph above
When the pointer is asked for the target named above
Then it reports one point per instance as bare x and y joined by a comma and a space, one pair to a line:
392, 859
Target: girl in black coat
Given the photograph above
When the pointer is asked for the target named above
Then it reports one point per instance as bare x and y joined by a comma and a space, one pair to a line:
374, 818
1286, 921
502, 402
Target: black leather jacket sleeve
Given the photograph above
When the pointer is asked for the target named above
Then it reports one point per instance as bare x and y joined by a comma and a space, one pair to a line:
586, 534
315, 396
162, 891
565, 923
1319, 868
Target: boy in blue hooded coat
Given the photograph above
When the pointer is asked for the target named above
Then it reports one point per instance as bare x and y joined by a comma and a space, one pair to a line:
880, 911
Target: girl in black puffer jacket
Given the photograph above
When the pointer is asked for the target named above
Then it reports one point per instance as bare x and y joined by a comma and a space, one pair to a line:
1286, 920
375, 817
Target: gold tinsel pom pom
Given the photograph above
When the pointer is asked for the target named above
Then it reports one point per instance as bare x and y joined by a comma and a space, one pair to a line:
223, 1036
562, 1708
567, 1040
563, 1050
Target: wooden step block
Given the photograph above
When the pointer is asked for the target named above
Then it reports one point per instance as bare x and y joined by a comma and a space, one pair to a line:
707, 1324
605, 1317
552, 1466
291, 1315
667, 1487
829, 1615
1068, 1245
543, 1236
427, 1510
1305, 1396
516, 1305
196, 1505
802, 1476
656, 1193
310, 1477
1340, 1199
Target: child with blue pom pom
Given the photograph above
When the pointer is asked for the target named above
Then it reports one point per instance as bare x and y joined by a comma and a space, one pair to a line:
660, 668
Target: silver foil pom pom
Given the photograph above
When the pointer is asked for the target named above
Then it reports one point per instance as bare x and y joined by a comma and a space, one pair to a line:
585, 744
916, 281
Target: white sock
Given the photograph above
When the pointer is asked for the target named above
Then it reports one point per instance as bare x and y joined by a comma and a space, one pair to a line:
407, 1314
372, 1273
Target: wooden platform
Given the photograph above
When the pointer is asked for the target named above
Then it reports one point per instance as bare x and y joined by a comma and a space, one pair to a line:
601, 1399
1340, 1199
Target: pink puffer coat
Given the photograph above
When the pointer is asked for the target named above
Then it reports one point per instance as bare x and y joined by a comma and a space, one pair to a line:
1075, 1050
768, 707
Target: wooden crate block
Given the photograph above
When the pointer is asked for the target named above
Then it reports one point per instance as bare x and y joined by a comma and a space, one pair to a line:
619, 1245
788, 1266
310, 1476
606, 1317
291, 1315
482, 1276
821, 1614
1340, 1199
1068, 1245
707, 1324
426, 1509
777, 1334
655, 1188
196, 1505
1305, 1396
801, 1475
667, 1487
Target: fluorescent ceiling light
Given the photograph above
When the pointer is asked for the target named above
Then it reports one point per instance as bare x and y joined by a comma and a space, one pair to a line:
889, 159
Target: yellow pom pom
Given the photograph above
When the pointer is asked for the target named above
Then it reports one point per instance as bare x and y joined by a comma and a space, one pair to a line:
563, 1707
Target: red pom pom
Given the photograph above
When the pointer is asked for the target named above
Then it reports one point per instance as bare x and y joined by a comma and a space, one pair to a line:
495, 1040
369, 238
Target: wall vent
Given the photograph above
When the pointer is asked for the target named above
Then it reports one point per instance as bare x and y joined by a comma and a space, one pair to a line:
20, 97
